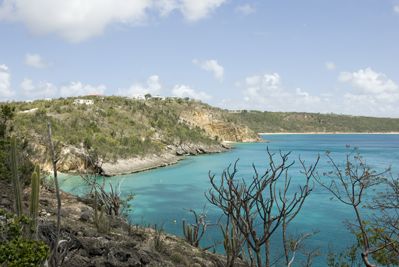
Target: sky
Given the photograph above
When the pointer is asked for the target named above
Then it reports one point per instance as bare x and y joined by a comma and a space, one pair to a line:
327, 56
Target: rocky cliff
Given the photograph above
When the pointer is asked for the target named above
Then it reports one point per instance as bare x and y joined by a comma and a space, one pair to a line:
216, 126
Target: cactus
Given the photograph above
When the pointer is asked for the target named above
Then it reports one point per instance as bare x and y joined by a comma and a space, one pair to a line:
34, 200
15, 177
191, 234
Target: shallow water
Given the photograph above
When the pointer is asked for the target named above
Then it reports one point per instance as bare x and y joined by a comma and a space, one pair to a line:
163, 196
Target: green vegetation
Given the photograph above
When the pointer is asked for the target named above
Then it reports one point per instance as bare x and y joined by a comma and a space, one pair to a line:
270, 122
15, 177
34, 198
10, 145
116, 127
15, 248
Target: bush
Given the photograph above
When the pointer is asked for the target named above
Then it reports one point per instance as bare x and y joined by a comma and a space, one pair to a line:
15, 248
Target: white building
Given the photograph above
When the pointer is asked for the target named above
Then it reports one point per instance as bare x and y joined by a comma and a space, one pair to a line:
80, 101
138, 97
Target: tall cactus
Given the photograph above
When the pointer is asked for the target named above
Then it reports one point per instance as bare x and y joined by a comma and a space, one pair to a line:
34, 199
15, 177
191, 234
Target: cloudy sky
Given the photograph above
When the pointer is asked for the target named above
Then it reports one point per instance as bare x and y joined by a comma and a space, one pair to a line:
338, 56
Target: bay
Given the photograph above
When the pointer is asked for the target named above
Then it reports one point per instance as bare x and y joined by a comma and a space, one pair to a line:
163, 196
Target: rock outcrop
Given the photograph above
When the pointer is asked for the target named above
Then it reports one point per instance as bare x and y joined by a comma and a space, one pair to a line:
122, 245
216, 127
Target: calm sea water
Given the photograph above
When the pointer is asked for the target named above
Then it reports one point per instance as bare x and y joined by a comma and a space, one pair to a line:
163, 196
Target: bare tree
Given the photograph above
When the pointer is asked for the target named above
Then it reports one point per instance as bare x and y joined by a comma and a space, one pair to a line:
291, 246
384, 226
259, 206
349, 184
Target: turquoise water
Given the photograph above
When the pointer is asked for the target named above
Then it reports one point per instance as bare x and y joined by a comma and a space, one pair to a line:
164, 195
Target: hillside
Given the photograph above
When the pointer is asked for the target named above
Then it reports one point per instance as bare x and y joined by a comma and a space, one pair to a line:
119, 129
312, 122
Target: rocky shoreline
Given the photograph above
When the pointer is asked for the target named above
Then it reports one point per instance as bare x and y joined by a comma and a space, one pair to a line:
172, 155
121, 245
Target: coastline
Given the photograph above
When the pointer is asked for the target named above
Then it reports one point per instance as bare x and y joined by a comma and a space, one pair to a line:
321, 133
133, 165
149, 162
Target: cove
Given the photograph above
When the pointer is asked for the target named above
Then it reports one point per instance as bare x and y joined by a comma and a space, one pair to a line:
163, 196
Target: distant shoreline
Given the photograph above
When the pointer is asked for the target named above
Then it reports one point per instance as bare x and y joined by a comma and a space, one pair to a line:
321, 133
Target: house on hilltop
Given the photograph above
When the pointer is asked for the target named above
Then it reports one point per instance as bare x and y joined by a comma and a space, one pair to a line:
81, 101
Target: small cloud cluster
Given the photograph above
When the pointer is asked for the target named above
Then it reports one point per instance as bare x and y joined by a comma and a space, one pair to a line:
153, 86
29, 89
368, 81
186, 91
35, 61
374, 91
79, 20
5, 83
396, 9
371, 93
45, 89
245, 9
213, 66
267, 93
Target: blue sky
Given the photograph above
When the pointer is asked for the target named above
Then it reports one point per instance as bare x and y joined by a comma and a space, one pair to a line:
338, 56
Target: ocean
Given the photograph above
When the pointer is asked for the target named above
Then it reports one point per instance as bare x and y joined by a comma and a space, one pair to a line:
164, 196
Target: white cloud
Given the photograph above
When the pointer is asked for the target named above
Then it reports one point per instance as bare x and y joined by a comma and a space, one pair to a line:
74, 20
79, 89
375, 94
153, 86
369, 81
213, 66
5, 82
330, 65
78, 20
44, 89
266, 92
166, 6
246, 9
396, 9
194, 10
39, 90
186, 91
35, 61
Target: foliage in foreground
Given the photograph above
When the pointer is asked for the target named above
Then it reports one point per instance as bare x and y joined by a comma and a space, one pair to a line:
256, 208
352, 184
15, 248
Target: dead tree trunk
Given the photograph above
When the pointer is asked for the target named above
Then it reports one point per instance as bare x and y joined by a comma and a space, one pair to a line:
54, 160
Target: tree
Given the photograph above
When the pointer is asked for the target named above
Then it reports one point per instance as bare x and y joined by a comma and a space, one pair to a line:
6, 116
350, 184
7, 113
257, 207
384, 225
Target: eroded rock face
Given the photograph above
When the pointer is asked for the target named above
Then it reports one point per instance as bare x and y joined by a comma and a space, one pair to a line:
72, 159
216, 127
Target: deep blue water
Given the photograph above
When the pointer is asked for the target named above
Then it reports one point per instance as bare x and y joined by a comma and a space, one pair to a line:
164, 195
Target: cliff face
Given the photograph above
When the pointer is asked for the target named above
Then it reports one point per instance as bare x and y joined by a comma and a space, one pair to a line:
217, 127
